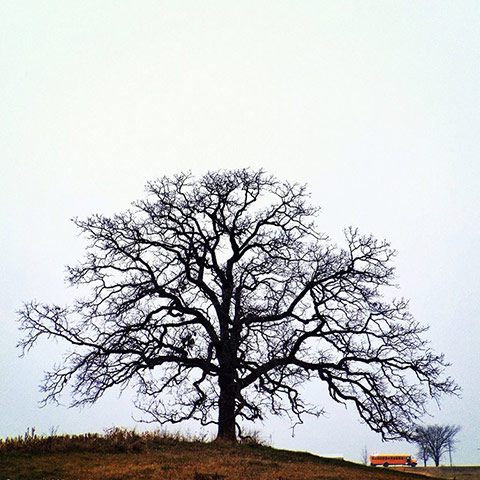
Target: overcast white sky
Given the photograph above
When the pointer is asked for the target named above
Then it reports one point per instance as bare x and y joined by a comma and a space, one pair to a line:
375, 104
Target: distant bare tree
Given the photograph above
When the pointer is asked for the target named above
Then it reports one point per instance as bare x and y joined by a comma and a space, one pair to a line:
364, 455
435, 441
217, 298
423, 453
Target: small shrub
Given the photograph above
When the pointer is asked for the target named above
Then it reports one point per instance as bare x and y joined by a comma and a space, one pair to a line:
123, 440
252, 438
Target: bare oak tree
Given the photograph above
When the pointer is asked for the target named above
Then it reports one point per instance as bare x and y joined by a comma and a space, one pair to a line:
435, 441
217, 298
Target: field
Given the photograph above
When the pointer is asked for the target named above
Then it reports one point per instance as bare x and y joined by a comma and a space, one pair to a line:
127, 455
457, 473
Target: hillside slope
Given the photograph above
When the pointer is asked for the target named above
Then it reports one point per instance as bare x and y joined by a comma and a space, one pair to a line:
128, 456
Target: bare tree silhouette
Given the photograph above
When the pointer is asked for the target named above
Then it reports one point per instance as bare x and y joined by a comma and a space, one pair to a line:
218, 298
436, 440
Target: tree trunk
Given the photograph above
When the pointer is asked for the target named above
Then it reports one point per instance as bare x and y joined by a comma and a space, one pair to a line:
226, 410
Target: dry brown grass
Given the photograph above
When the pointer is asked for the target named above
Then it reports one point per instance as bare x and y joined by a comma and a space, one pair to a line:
127, 455
457, 473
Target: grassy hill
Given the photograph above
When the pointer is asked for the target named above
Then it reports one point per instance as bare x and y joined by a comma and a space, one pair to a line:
127, 455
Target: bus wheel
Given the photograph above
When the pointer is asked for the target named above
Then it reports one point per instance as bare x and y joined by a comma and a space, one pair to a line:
385, 464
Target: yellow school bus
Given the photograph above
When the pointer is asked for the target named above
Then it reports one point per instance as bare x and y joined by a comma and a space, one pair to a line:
392, 459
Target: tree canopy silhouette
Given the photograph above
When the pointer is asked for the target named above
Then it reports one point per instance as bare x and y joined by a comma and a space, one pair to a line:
217, 298
434, 441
